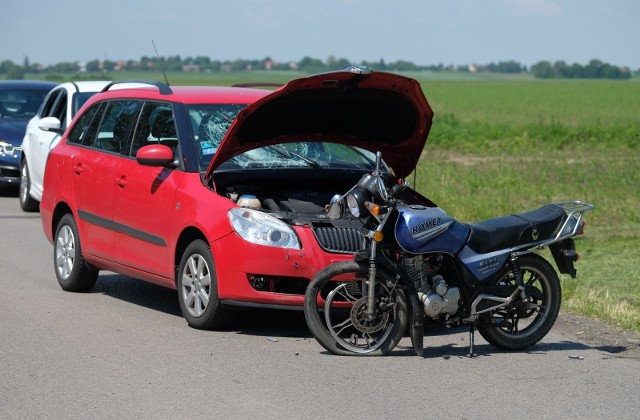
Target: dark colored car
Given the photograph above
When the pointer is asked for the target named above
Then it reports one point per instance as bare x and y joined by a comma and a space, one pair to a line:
222, 192
19, 101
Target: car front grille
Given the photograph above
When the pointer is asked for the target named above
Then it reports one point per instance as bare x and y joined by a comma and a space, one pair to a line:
339, 240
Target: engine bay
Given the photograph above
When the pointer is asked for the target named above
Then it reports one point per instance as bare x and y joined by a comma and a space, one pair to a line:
290, 193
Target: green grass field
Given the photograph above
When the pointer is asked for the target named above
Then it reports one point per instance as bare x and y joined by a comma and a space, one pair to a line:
501, 145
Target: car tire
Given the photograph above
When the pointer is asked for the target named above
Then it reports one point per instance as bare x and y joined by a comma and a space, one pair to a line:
198, 289
27, 203
72, 271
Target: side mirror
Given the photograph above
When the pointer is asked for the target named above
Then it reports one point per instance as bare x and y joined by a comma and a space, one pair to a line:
51, 124
155, 155
335, 207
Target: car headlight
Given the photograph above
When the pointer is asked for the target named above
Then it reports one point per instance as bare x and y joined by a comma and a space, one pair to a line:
8, 148
260, 228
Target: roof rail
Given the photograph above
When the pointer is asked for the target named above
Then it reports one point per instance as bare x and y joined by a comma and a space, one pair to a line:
257, 84
164, 89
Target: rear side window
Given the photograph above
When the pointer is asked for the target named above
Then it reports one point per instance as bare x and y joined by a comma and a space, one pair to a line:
84, 131
114, 130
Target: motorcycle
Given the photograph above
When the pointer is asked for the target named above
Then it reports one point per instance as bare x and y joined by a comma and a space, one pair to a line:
419, 264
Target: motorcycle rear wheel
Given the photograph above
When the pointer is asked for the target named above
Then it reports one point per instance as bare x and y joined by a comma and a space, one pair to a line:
517, 327
335, 311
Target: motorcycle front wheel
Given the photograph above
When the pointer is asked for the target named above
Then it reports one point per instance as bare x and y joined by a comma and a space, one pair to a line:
336, 311
523, 323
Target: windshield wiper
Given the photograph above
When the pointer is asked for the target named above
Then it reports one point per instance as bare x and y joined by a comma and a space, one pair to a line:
289, 153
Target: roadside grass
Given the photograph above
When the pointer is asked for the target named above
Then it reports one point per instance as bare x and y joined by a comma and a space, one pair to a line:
606, 286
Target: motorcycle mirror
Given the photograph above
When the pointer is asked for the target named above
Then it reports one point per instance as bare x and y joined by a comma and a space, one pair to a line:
382, 189
335, 207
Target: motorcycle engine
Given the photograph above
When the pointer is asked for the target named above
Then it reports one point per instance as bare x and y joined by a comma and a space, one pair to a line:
434, 293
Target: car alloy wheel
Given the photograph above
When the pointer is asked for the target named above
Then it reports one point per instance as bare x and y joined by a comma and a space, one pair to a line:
72, 271
196, 285
26, 202
65, 252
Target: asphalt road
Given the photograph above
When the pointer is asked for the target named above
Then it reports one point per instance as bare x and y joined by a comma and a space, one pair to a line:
124, 351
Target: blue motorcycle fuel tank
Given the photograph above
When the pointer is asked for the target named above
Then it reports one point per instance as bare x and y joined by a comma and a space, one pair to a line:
420, 229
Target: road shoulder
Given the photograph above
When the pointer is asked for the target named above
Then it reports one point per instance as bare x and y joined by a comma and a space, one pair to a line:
614, 341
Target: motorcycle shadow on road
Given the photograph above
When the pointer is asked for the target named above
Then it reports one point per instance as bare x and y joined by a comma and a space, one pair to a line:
461, 350
445, 343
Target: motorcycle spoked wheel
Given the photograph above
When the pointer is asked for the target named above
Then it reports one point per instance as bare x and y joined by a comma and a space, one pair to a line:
335, 310
522, 324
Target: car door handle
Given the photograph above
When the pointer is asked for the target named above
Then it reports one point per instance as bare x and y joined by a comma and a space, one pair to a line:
122, 181
77, 168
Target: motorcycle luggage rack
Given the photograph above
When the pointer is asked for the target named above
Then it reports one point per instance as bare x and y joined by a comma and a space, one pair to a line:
575, 211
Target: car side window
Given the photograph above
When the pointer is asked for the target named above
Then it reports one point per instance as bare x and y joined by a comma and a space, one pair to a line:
156, 125
84, 131
48, 103
60, 108
115, 127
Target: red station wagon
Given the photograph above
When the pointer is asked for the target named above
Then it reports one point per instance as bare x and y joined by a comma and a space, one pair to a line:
222, 192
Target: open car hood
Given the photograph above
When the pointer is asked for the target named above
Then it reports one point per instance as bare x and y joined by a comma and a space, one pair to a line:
372, 110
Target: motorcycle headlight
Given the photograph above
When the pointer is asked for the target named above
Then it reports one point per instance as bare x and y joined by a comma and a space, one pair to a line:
355, 201
260, 228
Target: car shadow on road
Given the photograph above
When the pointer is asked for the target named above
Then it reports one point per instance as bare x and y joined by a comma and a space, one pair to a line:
9, 191
138, 292
258, 322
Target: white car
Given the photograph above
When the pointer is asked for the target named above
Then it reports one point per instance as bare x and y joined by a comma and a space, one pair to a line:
45, 130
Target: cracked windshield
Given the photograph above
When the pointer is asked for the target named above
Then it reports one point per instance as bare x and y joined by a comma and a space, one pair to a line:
211, 122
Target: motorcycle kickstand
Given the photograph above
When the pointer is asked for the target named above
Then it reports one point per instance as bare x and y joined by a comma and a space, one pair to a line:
472, 330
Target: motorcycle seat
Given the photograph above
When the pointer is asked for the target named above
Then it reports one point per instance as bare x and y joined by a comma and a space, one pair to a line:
517, 229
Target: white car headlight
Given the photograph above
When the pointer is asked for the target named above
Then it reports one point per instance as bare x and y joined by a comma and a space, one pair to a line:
260, 228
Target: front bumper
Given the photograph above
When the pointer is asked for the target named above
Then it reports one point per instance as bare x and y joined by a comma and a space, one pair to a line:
255, 275
9, 173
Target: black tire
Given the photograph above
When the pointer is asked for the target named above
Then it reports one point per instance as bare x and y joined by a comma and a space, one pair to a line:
198, 289
341, 282
518, 328
27, 203
72, 271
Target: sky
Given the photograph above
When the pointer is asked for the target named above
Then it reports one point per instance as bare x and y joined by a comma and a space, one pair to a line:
424, 32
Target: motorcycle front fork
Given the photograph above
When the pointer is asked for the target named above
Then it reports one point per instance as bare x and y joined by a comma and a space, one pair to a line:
371, 284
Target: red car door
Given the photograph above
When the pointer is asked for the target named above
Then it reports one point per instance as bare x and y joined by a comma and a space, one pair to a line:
101, 135
91, 169
92, 174
145, 197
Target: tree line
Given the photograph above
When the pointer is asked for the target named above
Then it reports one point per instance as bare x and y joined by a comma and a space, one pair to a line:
543, 69
596, 69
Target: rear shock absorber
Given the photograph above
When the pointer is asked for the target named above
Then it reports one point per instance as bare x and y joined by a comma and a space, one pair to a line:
517, 273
